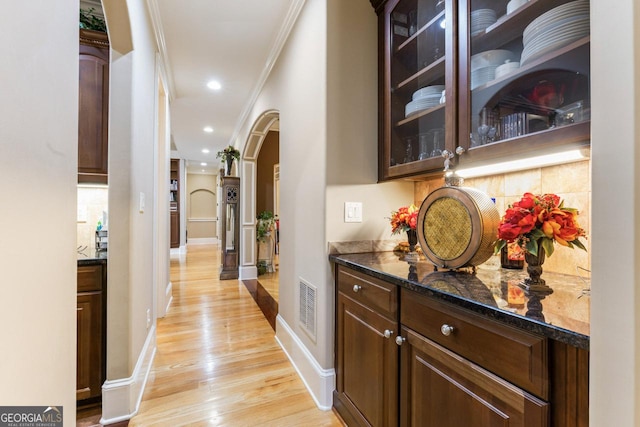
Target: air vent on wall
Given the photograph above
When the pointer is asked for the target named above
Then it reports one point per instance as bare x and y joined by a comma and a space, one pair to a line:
307, 311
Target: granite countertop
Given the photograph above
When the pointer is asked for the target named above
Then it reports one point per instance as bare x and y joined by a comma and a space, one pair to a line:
89, 256
491, 291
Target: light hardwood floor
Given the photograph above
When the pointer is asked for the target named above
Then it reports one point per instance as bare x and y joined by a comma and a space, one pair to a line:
217, 361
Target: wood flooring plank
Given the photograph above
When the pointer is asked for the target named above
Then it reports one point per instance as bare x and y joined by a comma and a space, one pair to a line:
217, 361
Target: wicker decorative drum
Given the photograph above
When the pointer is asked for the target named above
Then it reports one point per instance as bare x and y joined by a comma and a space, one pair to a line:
457, 227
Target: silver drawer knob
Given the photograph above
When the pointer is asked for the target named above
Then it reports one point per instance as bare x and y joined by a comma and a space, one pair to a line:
399, 340
356, 288
388, 333
446, 330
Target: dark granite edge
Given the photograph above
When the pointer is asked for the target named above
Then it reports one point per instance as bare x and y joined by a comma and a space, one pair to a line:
92, 261
550, 331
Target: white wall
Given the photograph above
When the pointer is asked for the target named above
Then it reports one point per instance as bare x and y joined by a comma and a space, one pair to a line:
133, 149
328, 143
38, 169
615, 238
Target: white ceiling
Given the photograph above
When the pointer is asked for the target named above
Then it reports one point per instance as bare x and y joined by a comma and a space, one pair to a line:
232, 41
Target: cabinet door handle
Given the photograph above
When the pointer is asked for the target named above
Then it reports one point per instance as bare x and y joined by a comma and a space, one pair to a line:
387, 333
356, 288
446, 330
400, 340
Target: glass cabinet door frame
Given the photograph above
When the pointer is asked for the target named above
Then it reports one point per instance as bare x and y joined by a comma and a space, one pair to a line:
445, 69
507, 28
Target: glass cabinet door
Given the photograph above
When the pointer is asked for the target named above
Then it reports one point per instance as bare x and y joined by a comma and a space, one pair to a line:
525, 67
420, 90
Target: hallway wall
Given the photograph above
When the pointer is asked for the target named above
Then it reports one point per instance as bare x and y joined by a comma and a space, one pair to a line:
320, 125
38, 169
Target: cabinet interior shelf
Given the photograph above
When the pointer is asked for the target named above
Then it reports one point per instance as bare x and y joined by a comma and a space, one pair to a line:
576, 134
510, 27
412, 40
424, 75
555, 60
422, 113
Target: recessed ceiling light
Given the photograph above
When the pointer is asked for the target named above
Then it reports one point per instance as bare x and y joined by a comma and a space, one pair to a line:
208, 129
214, 85
205, 150
203, 164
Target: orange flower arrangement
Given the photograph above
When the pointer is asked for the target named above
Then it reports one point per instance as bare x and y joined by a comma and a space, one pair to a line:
540, 220
404, 219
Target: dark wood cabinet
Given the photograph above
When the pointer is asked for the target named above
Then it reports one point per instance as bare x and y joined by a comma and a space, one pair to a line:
406, 358
439, 388
523, 80
174, 202
418, 64
93, 107
515, 83
367, 355
91, 331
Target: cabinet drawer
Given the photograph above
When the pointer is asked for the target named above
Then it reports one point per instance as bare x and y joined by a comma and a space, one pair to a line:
89, 278
515, 355
368, 291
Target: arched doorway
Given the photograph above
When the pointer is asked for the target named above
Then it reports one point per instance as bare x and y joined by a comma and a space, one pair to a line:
268, 121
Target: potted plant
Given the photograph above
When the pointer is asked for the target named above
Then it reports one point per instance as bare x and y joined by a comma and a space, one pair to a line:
264, 225
90, 21
266, 221
228, 155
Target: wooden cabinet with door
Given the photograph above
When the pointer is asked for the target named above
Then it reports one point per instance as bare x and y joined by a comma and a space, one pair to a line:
406, 358
458, 368
93, 107
524, 79
418, 64
491, 110
366, 353
91, 330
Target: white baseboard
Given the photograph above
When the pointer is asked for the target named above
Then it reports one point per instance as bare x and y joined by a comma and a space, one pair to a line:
248, 272
320, 382
121, 398
203, 241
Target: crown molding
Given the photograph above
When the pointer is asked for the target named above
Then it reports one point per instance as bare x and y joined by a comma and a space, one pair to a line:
377, 5
156, 22
94, 38
276, 49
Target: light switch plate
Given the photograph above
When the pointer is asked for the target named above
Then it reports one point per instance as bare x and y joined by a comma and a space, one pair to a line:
141, 208
352, 211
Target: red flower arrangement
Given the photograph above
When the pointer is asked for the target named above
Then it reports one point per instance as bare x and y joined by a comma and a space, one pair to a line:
540, 220
404, 219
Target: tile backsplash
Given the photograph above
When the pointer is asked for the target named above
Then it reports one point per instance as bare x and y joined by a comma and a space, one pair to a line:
92, 202
572, 182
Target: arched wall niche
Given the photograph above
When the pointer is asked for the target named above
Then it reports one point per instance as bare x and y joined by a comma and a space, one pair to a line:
267, 121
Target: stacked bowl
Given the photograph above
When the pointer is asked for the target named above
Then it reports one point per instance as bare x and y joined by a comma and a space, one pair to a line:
554, 29
484, 64
481, 19
423, 99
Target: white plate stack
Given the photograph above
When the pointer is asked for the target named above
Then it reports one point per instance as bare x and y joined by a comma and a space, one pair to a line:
554, 29
423, 99
484, 64
481, 19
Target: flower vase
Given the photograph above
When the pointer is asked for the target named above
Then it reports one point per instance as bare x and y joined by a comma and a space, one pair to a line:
534, 283
412, 237
229, 161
